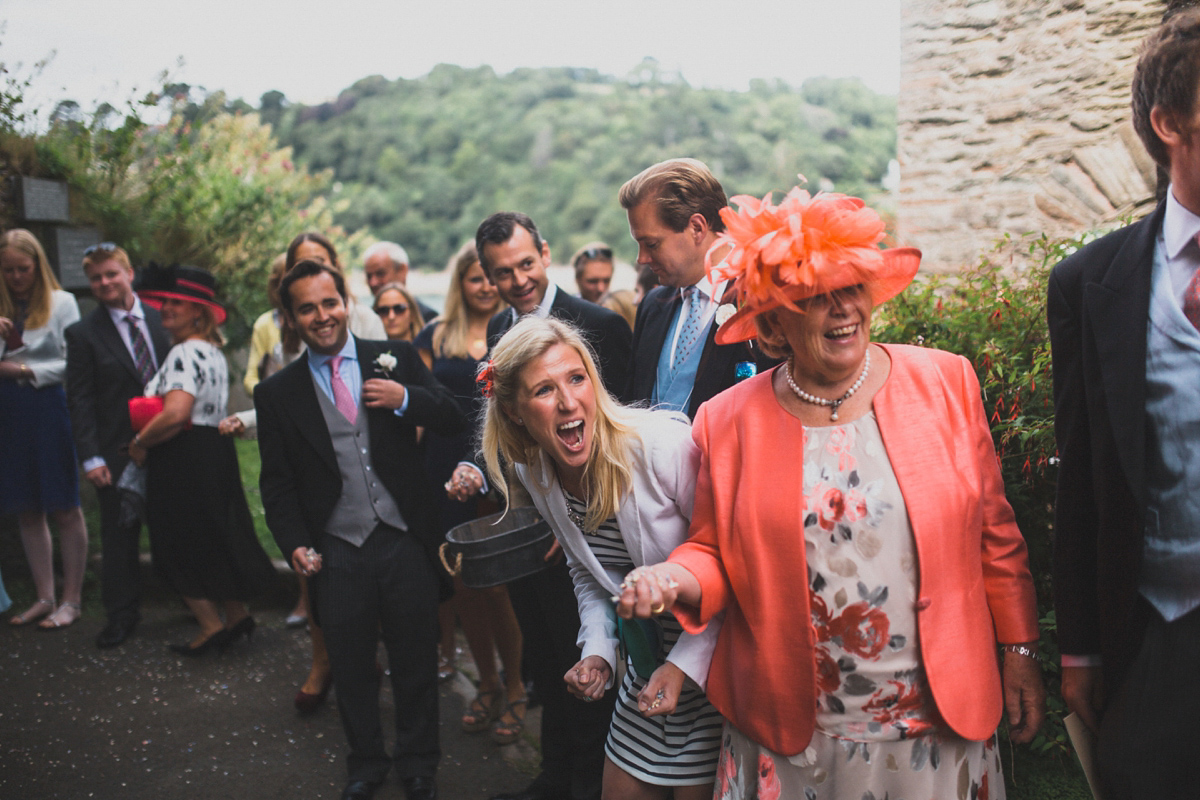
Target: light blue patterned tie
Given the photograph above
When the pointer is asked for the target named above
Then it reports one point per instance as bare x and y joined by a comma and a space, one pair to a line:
690, 333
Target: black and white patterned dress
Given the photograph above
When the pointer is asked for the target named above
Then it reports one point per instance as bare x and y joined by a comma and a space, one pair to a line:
202, 537
677, 749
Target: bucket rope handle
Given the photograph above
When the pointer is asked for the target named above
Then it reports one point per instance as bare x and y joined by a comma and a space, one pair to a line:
457, 568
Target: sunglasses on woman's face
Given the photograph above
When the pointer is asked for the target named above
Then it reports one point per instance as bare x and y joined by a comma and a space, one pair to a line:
387, 311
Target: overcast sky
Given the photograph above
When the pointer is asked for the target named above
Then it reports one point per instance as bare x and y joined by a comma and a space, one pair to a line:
105, 50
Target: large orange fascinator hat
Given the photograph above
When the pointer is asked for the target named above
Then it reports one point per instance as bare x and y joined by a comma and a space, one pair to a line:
805, 246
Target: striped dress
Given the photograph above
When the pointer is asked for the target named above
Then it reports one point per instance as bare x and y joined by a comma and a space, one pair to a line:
676, 749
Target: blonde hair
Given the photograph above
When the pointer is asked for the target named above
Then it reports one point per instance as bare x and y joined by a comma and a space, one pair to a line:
100, 255
620, 301
450, 336
44, 283
608, 474
415, 323
208, 328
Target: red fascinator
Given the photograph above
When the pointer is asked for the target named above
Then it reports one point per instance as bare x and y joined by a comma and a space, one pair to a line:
803, 247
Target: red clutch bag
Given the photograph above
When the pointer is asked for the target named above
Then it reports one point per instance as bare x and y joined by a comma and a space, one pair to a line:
142, 410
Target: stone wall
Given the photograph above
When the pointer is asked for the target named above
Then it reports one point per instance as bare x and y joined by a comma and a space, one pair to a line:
1014, 118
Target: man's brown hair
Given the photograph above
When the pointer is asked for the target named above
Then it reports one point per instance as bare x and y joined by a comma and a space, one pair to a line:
1167, 76
679, 188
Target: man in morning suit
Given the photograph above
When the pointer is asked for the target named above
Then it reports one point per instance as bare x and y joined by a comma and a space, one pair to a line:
111, 354
341, 480
1124, 314
674, 216
573, 732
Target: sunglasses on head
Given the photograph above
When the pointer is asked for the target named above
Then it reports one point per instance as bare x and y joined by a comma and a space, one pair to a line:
387, 311
593, 253
103, 247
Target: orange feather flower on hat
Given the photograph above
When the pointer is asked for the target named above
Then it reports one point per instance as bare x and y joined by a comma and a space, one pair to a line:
805, 246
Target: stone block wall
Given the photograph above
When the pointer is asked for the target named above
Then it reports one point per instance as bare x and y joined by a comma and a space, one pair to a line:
1014, 118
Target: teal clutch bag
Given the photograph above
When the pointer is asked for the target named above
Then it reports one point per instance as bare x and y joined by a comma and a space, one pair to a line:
641, 641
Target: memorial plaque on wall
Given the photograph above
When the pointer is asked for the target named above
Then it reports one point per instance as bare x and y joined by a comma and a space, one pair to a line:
42, 200
69, 244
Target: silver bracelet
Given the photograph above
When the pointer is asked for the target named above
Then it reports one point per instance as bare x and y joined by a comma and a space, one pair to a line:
1022, 650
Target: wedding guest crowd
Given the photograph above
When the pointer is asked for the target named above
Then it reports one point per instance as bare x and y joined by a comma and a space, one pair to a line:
783, 562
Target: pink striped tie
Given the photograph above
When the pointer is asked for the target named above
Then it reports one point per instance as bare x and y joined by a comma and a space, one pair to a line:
341, 392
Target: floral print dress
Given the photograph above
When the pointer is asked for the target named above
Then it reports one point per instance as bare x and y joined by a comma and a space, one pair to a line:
878, 733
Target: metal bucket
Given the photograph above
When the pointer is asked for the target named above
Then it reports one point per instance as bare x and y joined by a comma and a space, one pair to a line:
490, 551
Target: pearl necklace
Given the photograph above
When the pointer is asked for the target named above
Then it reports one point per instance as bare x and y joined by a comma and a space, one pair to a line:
821, 401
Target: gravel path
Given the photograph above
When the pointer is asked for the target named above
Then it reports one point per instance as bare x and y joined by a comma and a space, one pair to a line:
139, 722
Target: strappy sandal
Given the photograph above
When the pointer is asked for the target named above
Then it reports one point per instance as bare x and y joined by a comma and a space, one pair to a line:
482, 712
33, 614
52, 623
505, 732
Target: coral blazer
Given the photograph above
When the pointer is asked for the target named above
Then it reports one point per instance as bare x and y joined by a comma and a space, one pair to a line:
747, 550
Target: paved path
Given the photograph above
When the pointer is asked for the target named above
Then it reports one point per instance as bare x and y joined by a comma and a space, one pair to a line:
139, 722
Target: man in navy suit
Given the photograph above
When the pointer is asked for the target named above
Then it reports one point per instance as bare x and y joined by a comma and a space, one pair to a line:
342, 477
573, 732
516, 257
674, 216
1124, 315
111, 354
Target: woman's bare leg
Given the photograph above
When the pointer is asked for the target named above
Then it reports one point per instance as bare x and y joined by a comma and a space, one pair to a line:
506, 632
208, 617
73, 541
620, 785
35, 536
319, 673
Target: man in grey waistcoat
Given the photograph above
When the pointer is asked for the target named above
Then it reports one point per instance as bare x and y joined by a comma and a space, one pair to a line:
341, 475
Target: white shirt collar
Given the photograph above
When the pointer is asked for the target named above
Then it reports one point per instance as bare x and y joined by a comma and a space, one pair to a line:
118, 314
1180, 226
543, 309
349, 351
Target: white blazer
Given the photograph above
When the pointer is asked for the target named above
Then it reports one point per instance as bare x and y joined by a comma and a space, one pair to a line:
654, 519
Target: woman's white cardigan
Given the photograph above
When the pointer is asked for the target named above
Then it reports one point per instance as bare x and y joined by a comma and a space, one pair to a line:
654, 519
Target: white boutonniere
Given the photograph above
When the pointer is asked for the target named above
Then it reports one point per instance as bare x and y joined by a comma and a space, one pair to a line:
386, 363
724, 312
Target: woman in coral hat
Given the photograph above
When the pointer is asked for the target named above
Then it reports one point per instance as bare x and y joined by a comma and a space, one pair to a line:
850, 521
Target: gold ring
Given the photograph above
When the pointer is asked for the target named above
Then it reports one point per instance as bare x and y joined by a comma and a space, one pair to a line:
661, 607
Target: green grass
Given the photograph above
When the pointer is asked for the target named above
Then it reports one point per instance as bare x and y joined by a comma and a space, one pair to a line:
250, 466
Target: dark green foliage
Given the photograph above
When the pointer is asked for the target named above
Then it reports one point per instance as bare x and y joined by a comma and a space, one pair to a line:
998, 322
424, 161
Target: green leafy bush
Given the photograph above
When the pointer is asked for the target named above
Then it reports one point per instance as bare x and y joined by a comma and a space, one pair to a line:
208, 187
995, 316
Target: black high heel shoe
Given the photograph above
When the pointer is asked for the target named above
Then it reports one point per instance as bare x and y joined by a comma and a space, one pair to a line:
215, 641
244, 627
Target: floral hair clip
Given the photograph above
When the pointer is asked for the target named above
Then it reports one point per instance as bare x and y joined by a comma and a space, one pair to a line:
485, 378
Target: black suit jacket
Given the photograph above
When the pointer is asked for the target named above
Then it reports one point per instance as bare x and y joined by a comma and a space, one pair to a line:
101, 378
651, 333
1098, 307
606, 331
300, 480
